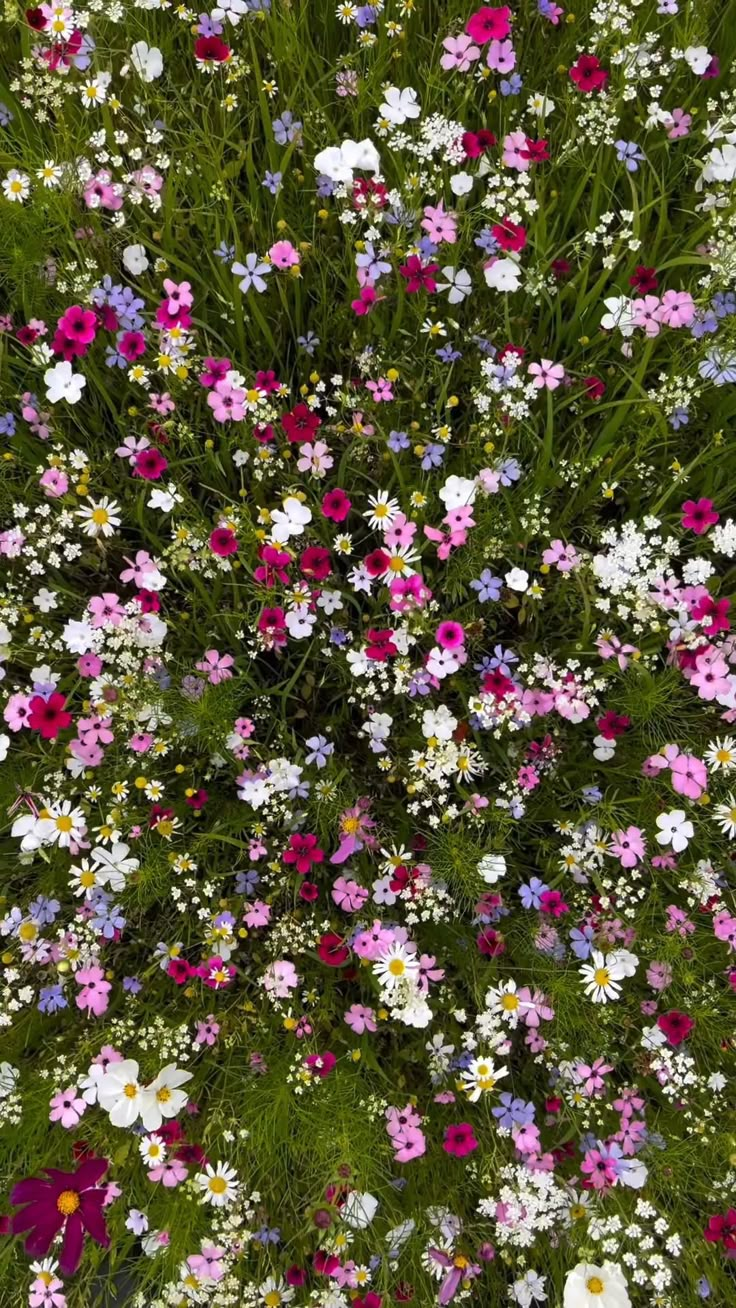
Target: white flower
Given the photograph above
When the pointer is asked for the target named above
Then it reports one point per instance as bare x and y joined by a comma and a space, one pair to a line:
721, 164
439, 722
480, 1077
540, 105
147, 61
219, 1185
675, 829
163, 1097
395, 966
503, 275
4, 747
233, 10
16, 186
135, 259
338, 162
604, 749
100, 517
119, 1092
529, 1289
291, 520
8, 1077
399, 105
78, 637
359, 1210
620, 314
275, 1294
461, 183
590, 1286
492, 867
62, 383
697, 58
725, 816
602, 975
31, 831
299, 621
112, 865
457, 492
458, 285
517, 579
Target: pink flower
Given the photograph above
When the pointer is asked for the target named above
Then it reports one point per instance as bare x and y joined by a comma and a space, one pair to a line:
647, 314
461, 53
217, 666
320, 1064
501, 56
67, 1107
546, 373
349, 895
170, 1173
516, 152
459, 1140
561, 556
450, 635
677, 309
223, 542
207, 1031
438, 225
208, 1265
360, 1019
680, 124
689, 776
408, 1143
94, 992
54, 483
488, 24
257, 914
226, 402
628, 846
699, 515
284, 255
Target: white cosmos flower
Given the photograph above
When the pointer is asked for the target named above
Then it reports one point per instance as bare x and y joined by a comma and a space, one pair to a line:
492, 867
119, 1092
290, 520
163, 1097
591, 1286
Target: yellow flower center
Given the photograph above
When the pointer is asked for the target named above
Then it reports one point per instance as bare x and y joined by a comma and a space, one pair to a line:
272, 1299
510, 1003
68, 1202
130, 1090
601, 976
397, 967
595, 1285
100, 517
217, 1184
350, 826
163, 1095
64, 823
28, 931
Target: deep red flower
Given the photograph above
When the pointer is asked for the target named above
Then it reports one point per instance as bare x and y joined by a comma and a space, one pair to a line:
315, 562
48, 715
301, 423
476, 143
211, 50
309, 892
715, 610
595, 389
535, 151
551, 901
644, 280
587, 73
376, 563
561, 268
180, 971
197, 800
510, 236
380, 645
721, 1229
612, 725
68, 1201
295, 1276
676, 1026
332, 949
320, 1064
419, 276
366, 190
496, 683
369, 1300
36, 19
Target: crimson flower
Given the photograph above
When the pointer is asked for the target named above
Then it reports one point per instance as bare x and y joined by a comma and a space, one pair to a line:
419, 276
699, 515
644, 280
676, 1026
211, 50
48, 715
332, 949
68, 1201
301, 423
459, 1140
587, 73
721, 1229
489, 24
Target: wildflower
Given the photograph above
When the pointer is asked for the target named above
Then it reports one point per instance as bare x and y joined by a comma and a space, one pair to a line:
68, 1201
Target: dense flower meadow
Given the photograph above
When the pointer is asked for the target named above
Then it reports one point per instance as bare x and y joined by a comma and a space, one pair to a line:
367, 672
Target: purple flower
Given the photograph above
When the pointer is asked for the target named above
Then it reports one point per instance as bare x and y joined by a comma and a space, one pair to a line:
530, 893
487, 587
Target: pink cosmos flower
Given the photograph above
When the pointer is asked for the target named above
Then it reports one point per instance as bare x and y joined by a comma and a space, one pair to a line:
67, 1107
515, 152
647, 314
257, 914
226, 402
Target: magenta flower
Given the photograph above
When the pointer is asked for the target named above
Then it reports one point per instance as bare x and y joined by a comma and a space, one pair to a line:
459, 1140
68, 1201
628, 846
689, 776
699, 515
94, 992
